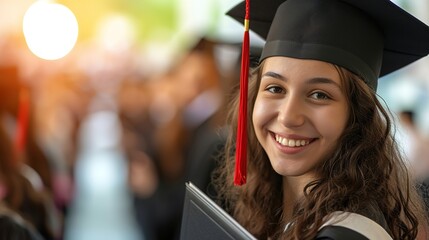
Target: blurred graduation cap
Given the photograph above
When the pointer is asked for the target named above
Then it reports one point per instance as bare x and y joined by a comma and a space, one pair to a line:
371, 38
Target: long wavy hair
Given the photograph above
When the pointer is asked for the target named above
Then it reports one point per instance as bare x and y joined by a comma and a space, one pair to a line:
366, 168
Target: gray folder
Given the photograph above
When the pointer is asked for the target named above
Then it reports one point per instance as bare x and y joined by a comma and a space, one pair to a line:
203, 219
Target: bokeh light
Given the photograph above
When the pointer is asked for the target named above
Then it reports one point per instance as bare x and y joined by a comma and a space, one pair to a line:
50, 29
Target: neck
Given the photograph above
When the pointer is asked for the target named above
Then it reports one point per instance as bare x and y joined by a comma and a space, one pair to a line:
293, 191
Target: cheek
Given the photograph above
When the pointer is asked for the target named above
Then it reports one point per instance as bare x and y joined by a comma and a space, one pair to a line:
261, 113
333, 123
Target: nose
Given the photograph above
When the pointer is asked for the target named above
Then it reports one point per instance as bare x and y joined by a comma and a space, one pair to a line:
291, 113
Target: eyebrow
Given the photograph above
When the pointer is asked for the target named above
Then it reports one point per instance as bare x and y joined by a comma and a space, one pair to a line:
274, 75
315, 80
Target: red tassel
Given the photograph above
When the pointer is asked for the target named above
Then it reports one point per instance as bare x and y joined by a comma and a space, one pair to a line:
241, 141
22, 121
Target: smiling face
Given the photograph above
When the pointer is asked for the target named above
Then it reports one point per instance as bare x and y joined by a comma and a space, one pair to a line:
299, 113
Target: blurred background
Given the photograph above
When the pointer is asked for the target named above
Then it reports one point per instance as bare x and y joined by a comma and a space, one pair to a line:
109, 106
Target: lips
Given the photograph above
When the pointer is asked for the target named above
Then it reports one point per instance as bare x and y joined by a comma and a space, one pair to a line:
289, 142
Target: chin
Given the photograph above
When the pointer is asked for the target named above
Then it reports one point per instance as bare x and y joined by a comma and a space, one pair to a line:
293, 172
289, 172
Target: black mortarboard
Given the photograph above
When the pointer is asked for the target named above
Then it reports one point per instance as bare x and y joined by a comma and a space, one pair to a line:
371, 38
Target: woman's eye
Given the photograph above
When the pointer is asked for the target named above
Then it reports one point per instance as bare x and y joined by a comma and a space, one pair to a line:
320, 96
274, 89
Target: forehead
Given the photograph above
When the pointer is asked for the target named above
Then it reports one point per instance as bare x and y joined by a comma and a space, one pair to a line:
305, 68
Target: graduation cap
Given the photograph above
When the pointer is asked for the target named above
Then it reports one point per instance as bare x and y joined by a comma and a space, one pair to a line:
371, 38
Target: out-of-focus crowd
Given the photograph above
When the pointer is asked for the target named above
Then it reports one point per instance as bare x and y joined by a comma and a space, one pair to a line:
171, 129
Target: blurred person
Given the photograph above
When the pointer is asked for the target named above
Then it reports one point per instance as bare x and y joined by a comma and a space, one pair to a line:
207, 114
191, 94
143, 172
415, 144
28, 156
137, 130
176, 107
210, 136
14, 227
18, 193
16, 92
195, 97
63, 99
154, 184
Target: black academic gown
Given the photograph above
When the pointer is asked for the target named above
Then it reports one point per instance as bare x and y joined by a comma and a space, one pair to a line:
352, 226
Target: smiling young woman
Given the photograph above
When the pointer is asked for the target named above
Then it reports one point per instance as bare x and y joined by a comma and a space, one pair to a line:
348, 161
322, 162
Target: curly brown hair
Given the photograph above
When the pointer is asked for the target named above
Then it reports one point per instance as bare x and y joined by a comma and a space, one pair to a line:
365, 169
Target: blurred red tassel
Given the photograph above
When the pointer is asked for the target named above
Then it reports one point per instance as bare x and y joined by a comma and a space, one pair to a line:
241, 141
22, 121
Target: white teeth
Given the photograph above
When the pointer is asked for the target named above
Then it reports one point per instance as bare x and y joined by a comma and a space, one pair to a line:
291, 142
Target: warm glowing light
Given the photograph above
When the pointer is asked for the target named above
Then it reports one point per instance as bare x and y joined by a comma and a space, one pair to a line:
50, 29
